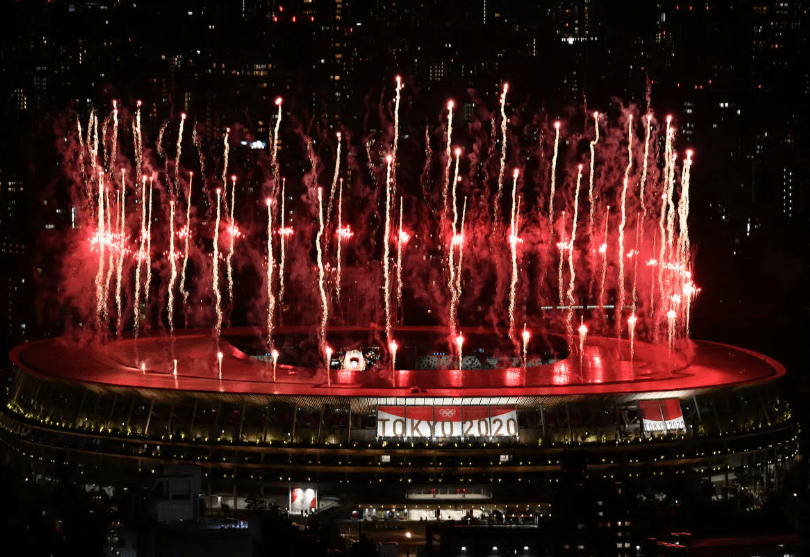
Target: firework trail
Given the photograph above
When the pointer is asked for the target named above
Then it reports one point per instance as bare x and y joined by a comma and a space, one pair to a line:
671, 314
460, 253
453, 241
105, 152
635, 254
283, 249
400, 241
644, 169
392, 347
160, 150
591, 205
497, 206
321, 278
334, 181
183, 289
233, 232
121, 246
173, 269
101, 299
387, 250
583, 333
396, 130
623, 221
195, 139
526, 337
448, 155
459, 343
328, 366
631, 327
217, 294
110, 252
271, 298
553, 175
570, 317
662, 218
274, 151
683, 238
513, 241
139, 260
148, 248
671, 210
562, 245
179, 151
94, 152
669, 265
425, 178
114, 150
683, 211
81, 156
226, 152
603, 251
340, 234
138, 139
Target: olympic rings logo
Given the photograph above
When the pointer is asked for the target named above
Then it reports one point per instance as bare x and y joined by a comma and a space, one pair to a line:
447, 412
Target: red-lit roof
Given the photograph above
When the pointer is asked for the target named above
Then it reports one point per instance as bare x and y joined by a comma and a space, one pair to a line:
604, 369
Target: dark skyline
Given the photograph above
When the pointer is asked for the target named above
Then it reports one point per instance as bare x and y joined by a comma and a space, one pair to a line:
732, 75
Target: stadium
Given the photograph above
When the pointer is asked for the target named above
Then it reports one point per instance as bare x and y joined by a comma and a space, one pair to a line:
423, 440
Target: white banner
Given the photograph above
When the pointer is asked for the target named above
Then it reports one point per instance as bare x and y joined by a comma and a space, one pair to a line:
444, 422
303, 500
668, 425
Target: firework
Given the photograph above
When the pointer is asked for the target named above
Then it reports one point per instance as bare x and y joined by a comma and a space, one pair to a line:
603, 251
233, 232
662, 218
591, 204
402, 238
459, 343
274, 355
392, 347
387, 250
274, 150
571, 271
395, 146
562, 245
120, 263
101, 300
623, 221
513, 241
449, 160
321, 275
454, 240
460, 255
109, 264
526, 335
496, 207
334, 181
215, 281
282, 251
173, 268
553, 175
177, 156
271, 298
328, 351
139, 260
631, 327
186, 235
583, 333
148, 254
